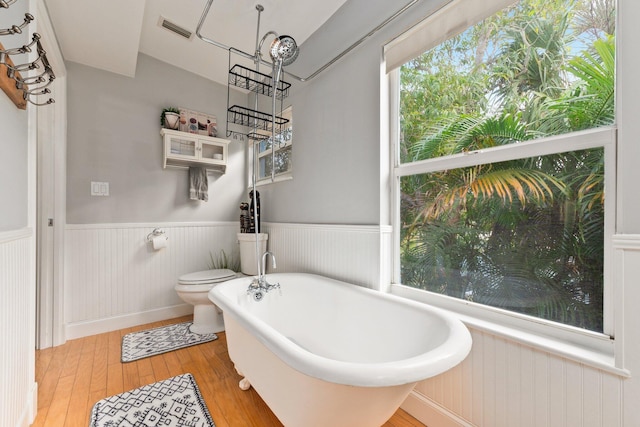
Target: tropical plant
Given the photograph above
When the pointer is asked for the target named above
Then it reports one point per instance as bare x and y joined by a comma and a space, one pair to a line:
222, 260
524, 235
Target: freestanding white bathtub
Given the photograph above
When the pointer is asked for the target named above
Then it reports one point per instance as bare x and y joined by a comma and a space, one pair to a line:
321, 352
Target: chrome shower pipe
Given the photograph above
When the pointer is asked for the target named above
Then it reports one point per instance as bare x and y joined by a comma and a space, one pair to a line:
356, 44
260, 9
254, 151
277, 68
205, 12
258, 59
255, 57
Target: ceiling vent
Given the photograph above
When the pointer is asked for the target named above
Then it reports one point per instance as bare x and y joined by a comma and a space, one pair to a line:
175, 28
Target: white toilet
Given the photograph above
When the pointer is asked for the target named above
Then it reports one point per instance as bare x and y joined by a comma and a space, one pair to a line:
194, 289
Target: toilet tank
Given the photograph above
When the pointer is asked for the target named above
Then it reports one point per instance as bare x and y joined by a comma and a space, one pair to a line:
247, 242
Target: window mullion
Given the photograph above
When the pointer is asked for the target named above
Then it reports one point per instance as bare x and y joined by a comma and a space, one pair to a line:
540, 147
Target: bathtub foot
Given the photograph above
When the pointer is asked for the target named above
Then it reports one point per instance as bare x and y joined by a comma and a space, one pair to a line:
244, 384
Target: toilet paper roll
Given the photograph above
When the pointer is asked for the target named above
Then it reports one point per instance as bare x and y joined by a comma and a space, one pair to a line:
159, 242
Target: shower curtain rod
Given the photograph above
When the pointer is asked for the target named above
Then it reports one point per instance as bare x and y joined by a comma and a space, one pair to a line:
256, 57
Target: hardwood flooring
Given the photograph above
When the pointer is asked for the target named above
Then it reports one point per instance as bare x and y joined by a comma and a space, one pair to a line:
74, 376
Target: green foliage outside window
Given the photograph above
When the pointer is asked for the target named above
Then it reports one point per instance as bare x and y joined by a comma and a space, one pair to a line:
524, 235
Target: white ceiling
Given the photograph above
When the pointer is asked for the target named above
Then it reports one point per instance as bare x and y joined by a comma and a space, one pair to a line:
109, 34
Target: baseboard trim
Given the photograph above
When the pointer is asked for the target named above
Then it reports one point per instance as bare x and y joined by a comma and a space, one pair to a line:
431, 413
83, 329
30, 409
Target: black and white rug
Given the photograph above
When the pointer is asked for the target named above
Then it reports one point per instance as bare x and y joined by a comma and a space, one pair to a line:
175, 402
137, 345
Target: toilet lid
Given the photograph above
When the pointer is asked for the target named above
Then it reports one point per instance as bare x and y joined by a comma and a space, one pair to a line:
207, 276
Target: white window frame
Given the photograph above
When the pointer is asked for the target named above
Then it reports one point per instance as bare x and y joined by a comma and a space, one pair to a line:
282, 176
593, 348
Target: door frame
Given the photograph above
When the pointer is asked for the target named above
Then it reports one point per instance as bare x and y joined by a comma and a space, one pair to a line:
51, 130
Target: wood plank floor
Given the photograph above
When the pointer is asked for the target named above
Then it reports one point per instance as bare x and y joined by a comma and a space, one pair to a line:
74, 376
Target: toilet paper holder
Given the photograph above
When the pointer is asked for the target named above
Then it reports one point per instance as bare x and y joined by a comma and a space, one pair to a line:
156, 233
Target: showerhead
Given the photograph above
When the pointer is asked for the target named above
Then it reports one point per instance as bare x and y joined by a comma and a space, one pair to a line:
284, 49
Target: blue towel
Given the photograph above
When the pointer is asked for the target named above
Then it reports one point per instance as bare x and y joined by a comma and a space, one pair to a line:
198, 184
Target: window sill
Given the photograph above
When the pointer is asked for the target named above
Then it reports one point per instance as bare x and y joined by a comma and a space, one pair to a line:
592, 349
276, 179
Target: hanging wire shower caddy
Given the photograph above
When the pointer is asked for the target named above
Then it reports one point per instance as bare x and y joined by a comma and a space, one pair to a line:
240, 118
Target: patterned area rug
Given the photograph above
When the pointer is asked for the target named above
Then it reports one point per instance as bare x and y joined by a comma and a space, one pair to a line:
137, 345
174, 402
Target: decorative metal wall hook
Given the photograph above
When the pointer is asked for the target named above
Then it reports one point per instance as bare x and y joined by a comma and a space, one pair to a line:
40, 78
6, 3
39, 104
25, 89
5, 53
26, 48
35, 80
18, 50
17, 29
28, 92
27, 66
37, 91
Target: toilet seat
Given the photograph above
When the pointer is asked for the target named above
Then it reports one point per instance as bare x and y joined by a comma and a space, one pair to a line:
207, 277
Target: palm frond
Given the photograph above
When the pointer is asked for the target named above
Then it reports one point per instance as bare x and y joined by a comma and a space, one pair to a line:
525, 185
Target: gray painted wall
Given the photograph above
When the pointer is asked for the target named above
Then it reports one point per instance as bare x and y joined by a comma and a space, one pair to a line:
13, 173
340, 165
340, 155
114, 136
13, 140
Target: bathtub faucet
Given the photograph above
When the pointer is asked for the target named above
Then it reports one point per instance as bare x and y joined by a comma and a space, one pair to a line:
264, 262
259, 285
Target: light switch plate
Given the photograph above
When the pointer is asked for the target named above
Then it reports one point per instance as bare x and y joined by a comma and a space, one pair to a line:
99, 188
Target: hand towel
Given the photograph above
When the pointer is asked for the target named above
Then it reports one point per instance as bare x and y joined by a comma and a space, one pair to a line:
198, 184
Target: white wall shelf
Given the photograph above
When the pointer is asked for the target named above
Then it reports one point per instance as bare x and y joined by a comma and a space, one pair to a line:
182, 149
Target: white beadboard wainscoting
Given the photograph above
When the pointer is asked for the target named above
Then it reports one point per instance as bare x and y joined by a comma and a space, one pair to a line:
504, 383
18, 390
351, 253
114, 279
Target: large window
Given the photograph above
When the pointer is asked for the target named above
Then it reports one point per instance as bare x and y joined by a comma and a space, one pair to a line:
504, 156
